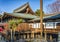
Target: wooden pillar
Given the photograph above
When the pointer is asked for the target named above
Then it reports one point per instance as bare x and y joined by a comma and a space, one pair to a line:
36, 35
50, 37
41, 17
21, 36
27, 35
45, 32
45, 36
24, 36
32, 34
1, 19
11, 36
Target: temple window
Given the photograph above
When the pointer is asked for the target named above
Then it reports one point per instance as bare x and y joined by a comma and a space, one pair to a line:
35, 25
50, 25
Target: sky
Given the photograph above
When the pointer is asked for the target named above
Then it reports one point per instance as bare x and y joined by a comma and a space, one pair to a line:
10, 5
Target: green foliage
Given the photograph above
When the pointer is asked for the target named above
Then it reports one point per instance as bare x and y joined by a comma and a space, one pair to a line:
11, 22
15, 22
19, 21
37, 12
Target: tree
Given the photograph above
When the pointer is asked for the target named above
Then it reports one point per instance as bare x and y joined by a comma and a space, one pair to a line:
37, 12
14, 22
19, 21
54, 7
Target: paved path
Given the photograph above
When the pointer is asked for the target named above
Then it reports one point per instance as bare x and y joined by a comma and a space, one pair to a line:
2, 41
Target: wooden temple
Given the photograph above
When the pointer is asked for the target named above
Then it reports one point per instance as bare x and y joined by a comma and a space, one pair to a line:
24, 9
31, 23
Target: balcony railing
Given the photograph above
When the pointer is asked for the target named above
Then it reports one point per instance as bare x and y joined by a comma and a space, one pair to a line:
36, 27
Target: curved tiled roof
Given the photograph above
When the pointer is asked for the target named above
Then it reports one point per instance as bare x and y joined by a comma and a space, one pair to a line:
23, 7
32, 17
21, 15
56, 16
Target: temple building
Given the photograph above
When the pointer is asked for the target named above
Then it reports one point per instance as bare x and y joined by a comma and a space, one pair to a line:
31, 23
23, 12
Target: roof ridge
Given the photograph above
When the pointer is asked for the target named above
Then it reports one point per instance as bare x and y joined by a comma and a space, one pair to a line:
22, 6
